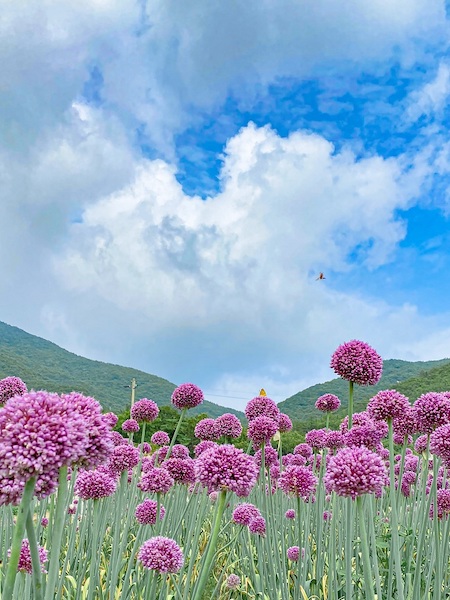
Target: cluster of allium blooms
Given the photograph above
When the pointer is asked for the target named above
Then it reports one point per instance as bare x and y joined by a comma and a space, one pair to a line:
260, 430
93, 485
179, 451
358, 362
317, 438
110, 419
257, 525
233, 582
293, 553
358, 420
123, 458
284, 423
130, 426
303, 449
187, 395
226, 468
270, 456
146, 512
156, 481
328, 403
227, 425
290, 513
25, 564
431, 410
335, 440
440, 443
298, 481
244, 513
370, 434
405, 424
160, 438
355, 471
144, 410
262, 406
293, 459
11, 386
146, 448
117, 438
204, 445
421, 444
204, 430
387, 405
161, 554
181, 469
443, 504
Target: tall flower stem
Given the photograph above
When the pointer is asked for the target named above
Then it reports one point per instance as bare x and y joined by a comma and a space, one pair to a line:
206, 568
395, 546
35, 562
19, 530
350, 404
368, 579
348, 552
174, 437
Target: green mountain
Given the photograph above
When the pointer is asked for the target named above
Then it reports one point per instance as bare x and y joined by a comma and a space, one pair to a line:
409, 378
44, 365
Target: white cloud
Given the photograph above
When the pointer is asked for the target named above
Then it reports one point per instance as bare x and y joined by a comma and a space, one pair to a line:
432, 98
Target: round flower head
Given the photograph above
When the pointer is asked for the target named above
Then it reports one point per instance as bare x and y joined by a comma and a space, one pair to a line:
355, 471
144, 410
204, 445
123, 457
421, 444
262, 406
156, 481
369, 435
257, 525
187, 395
146, 448
161, 554
110, 419
431, 410
233, 582
146, 512
227, 425
204, 430
181, 469
244, 513
328, 403
317, 438
117, 438
303, 449
298, 481
11, 386
284, 423
261, 430
387, 404
361, 418
290, 513
358, 362
440, 443
130, 426
95, 484
334, 440
226, 468
405, 424
25, 565
160, 438
270, 456
293, 553
180, 451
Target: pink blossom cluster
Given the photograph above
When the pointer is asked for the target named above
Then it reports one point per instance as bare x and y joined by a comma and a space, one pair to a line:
25, 564
11, 386
144, 410
358, 362
328, 403
298, 481
161, 554
187, 395
146, 512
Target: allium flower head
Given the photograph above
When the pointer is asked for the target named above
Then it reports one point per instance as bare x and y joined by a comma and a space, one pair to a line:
160, 438
123, 458
25, 564
370, 434
244, 513
93, 485
226, 468
227, 425
270, 456
431, 410
11, 386
118, 439
204, 430
187, 395
179, 451
303, 449
130, 426
262, 406
233, 581
146, 512
297, 481
328, 403
257, 525
421, 444
181, 469
290, 513
440, 443
156, 481
204, 445
293, 553
317, 438
144, 410
110, 419
358, 419
387, 404
358, 362
284, 423
334, 440
161, 554
261, 430
355, 471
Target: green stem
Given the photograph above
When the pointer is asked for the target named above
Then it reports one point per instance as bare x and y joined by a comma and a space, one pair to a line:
19, 530
174, 437
35, 562
350, 404
349, 548
395, 545
368, 579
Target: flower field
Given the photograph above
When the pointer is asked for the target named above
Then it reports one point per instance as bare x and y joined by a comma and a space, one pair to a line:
360, 512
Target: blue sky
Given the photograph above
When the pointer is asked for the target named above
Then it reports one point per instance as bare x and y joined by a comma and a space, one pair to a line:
175, 176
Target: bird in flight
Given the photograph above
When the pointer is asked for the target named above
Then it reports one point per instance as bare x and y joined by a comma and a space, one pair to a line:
321, 276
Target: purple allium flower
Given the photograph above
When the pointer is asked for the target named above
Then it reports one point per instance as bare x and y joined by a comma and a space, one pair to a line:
328, 403
244, 513
290, 513
303, 450
440, 443
110, 419
156, 481
226, 468
293, 553
370, 434
284, 423
130, 426
317, 438
405, 425
123, 457
233, 582
204, 445
270, 456
179, 451
205, 430
25, 564
431, 410
95, 484
213, 496
11, 386
387, 404
159, 456
358, 419
181, 469
144, 410
400, 439
160, 438
261, 430
358, 362
275, 471
327, 515
161, 554
298, 481
118, 439
44, 522
262, 406
146, 448
187, 395
334, 440
257, 525
355, 471
146, 512
293, 459
227, 425
421, 444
